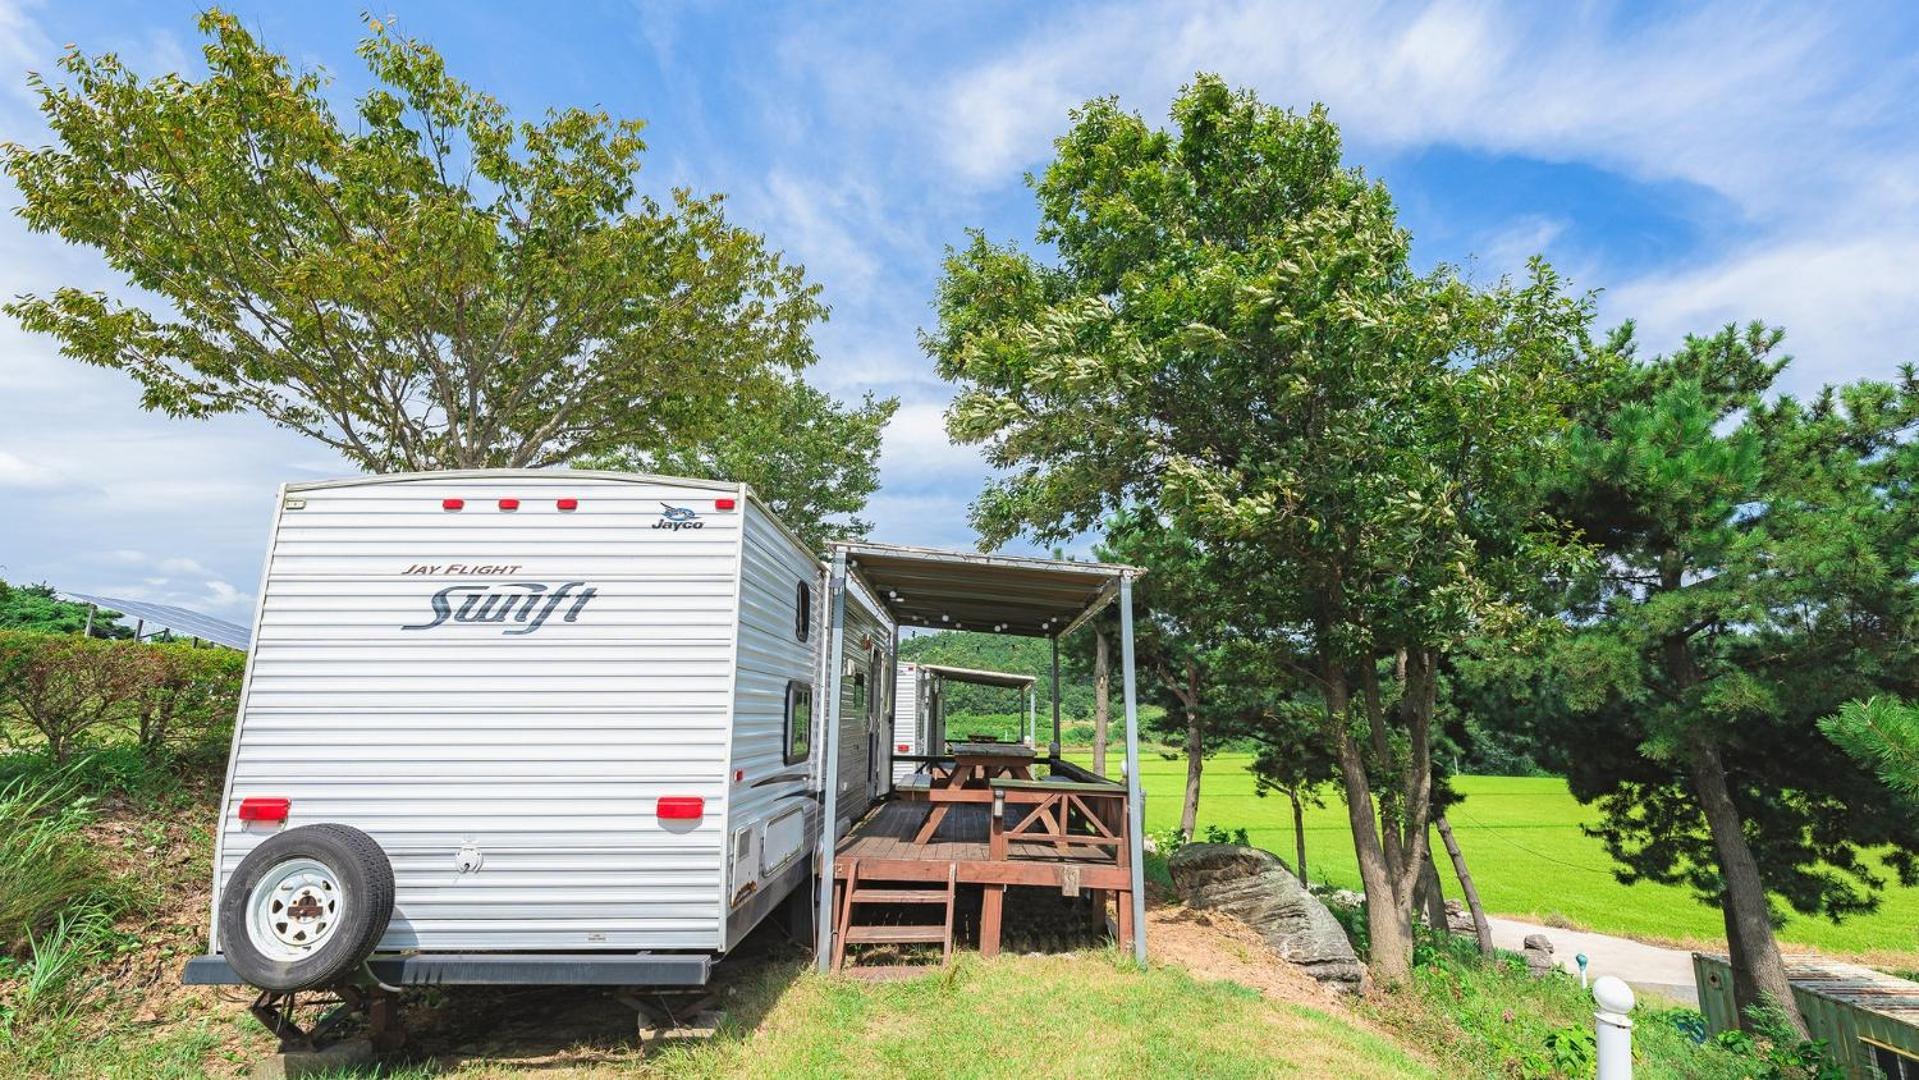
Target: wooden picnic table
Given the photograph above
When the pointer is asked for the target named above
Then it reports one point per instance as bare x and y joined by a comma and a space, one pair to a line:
975, 766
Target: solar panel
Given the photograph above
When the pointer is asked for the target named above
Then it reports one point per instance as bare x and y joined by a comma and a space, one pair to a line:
182, 622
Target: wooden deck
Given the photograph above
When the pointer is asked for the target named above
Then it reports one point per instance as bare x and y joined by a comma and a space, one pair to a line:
1070, 837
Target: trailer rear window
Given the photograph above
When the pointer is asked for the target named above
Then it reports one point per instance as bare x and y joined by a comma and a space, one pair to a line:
799, 721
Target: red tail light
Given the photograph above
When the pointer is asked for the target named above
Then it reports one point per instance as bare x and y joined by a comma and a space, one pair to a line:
452, 504
681, 808
569, 504
264, 809
723, 504
509, 504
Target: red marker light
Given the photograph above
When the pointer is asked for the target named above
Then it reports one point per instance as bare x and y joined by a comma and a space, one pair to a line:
739, 775
722, 504
568, 504
509, 504
681, 808
264, 809
452, 504
904, 749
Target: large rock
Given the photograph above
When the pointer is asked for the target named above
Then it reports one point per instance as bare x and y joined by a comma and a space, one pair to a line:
1538, 950
1255, 887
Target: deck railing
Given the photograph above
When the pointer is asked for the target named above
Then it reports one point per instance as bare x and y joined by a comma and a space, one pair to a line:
1065, 815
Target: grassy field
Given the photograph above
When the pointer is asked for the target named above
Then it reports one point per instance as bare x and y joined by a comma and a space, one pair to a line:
1522, 841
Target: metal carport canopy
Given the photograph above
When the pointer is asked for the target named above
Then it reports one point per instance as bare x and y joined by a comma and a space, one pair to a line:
1007, 594
975, 677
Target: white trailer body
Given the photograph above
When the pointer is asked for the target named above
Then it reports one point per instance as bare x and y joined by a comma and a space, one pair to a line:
866, 695
908, 736
574, 709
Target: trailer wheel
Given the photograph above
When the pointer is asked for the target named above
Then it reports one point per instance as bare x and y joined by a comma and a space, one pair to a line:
306, 907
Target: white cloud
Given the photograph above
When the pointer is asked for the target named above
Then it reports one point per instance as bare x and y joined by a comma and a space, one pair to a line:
1504, 252
917, 448
1847, 302
1699, 97
21, 474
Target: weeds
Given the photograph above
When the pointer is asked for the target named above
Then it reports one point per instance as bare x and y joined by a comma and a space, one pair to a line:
56, 959
44, 863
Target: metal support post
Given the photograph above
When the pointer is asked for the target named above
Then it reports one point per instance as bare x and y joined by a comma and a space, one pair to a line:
1135, 796
1053, 747
829, 743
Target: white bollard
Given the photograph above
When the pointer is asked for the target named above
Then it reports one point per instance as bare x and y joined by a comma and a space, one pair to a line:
1615, 1027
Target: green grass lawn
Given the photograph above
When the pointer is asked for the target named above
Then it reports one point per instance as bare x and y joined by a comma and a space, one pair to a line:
1087, 1015
1522, 842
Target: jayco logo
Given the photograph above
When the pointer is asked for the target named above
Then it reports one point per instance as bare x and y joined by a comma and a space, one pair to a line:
527, 605
678, 517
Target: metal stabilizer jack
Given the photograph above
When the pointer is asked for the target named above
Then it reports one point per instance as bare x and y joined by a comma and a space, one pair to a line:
376, 1009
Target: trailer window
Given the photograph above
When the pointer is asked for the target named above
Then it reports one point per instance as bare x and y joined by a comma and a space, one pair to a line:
799, 721
803, 619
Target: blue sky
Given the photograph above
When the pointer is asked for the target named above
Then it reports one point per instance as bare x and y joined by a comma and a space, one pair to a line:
1719, 161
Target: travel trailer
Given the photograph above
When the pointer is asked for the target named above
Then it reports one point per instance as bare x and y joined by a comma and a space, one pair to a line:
919, 727
522, 727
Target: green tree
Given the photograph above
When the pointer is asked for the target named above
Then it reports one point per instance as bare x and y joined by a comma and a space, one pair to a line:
1233, 336
1292, 757
1184, 602
1754, 576
1883, 734
812, 460
427, 284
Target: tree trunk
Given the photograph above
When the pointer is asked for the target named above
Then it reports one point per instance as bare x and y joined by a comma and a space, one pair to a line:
1195, 761
1388, 922
1299, 836
1102, 686
1758, 970
1481, 928
1428, 897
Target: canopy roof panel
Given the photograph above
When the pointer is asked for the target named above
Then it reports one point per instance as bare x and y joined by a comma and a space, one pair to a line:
964, 590
976, 677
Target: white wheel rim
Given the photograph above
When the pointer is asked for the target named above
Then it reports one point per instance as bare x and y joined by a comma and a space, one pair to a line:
295, 909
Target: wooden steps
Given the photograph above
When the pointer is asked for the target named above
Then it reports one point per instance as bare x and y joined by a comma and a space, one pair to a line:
894, 935
856, 898
900, 896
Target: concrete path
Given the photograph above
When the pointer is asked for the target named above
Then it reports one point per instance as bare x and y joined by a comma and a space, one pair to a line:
1653, 969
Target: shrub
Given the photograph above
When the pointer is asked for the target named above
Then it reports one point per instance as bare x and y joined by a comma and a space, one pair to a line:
66, 688
185, 692
69, 691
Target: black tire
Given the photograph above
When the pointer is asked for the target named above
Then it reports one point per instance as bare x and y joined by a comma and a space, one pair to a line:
365, 880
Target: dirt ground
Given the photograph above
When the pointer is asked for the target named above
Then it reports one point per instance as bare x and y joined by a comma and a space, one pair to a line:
1213, 946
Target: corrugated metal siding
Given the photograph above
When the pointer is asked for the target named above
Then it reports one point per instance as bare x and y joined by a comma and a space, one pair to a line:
906, 721
1845, 1004
547, 751
772, 568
